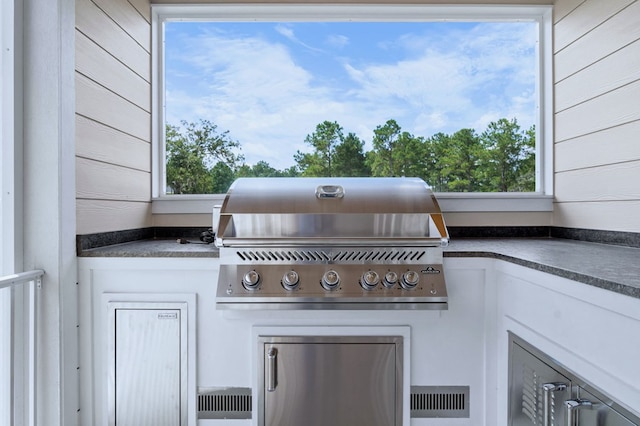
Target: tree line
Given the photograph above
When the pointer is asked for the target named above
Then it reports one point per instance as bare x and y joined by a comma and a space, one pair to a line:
200, 159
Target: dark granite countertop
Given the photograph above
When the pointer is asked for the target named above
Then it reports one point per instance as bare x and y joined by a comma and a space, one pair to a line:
154, 248
611, 267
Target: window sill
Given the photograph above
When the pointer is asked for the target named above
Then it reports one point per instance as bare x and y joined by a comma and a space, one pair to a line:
449, 203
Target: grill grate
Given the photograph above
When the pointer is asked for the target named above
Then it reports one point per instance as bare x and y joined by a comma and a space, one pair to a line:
224, 403
321, 256
440, 401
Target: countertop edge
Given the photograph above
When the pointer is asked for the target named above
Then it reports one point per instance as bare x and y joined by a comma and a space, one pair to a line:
604, 284
574, 263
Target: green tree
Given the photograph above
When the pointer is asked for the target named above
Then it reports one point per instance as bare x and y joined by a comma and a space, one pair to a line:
186, 171
409, 156
192, 152
434, 151
324, 141
462, 162
263, 169
526, 181
349, 158
508, 154
221, 176
385, 138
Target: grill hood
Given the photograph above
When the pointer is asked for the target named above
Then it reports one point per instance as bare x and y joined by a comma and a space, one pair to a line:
335, 211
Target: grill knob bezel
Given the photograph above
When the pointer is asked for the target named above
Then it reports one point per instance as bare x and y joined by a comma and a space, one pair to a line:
370, 280
410, 280
251, 280
390, 279
290, 280
330, 280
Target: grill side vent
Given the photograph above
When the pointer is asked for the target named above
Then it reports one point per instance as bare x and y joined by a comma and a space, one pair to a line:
224, 403
440, 401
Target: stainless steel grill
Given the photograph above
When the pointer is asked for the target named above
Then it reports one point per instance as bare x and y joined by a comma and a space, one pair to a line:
331, 243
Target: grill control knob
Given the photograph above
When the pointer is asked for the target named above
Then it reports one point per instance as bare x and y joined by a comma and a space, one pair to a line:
369, 280
330, 280
390, 279
251, 280
291, 280
410, 279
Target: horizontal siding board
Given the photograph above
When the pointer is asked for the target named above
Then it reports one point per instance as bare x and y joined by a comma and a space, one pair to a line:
197, 220
98, 65
101, 105
616, 70
609, 216
621, 30
143, 7
96, 25
127, 17
498, 219
99, 142
585, 18
610, 146
104, 181
94, 216
562, 8
612, 109
617, 182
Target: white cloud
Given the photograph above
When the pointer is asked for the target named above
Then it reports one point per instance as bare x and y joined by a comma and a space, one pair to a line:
337, 41
289, 34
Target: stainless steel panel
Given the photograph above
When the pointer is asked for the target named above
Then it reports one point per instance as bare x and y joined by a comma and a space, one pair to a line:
543, 392
147, 367
527, 377
430, 288
600, 412
336, 381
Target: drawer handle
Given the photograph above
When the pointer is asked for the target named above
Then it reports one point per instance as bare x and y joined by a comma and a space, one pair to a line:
272, 355
573, 405
548, 389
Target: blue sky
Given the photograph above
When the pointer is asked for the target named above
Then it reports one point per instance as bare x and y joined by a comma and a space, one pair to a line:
270, 83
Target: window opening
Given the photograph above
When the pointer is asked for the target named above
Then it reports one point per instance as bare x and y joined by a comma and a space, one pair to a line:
456, 103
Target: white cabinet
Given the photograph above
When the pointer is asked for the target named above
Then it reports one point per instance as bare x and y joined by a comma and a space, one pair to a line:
590, 331
138, 339
148, 350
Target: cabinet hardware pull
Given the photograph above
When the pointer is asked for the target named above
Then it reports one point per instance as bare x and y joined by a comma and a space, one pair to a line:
573, 405
547, 394
271, 369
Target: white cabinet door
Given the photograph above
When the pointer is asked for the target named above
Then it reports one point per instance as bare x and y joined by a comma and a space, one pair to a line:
146, 367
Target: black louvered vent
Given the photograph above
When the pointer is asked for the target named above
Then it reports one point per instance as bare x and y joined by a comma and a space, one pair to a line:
224, 403
440, 401
321, 256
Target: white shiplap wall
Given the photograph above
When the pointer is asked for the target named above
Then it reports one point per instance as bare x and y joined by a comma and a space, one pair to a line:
597, 114
113, 115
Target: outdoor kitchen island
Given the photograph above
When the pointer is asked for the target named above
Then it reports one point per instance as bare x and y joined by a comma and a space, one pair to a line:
577, 302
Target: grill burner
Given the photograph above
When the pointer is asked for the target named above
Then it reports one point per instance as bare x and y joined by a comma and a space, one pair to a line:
331, 243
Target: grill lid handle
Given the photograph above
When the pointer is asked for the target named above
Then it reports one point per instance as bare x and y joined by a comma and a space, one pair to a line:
329, 191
